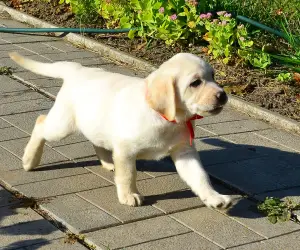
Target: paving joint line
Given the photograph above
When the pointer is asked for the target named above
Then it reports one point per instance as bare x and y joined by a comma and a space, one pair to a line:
277, 142
46, 216
238, 222
195, 231
166, 237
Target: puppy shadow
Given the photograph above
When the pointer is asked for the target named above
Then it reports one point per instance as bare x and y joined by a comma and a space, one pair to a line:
256, 171
63, 165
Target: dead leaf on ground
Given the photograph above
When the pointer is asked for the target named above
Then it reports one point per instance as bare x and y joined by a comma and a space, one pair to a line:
297, 77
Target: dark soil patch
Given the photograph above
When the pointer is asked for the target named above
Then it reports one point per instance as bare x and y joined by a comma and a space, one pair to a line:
250, 84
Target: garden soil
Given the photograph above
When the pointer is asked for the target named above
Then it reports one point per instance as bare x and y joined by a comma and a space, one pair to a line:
250, 84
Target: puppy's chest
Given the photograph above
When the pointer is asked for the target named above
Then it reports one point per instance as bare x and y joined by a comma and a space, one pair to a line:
159, 144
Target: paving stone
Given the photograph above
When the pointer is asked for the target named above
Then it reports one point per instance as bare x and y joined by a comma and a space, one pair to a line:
16, 214
11, 133
227, 115
9, 161
20, 227
259, 175
258, 144
25, 106
216, 227
26, 38
104, 173
48, 172
18, 96
233, 127
282, 137
63, 46
191, 241
56, 245
4, 42
12, 24
70, 55
28, 75
53, 90
136, 232
10, 85
25, 121
77, 150
247, 214
106, 199
65, 185
47, 82
157, 168
95, 62
7, 47
202, 133
168, 193
4, 62
6, 199
40, 48
288, 241
260, 245
78, 215
4, 54
17, 148
216, 150
4, 124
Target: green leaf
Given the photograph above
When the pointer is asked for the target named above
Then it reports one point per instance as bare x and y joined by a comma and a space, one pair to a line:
131, 34
157, 5
272, 219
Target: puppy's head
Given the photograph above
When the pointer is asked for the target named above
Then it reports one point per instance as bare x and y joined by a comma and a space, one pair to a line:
185, 85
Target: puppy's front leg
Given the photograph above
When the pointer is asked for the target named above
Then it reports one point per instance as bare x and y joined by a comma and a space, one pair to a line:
190, 169
125, 179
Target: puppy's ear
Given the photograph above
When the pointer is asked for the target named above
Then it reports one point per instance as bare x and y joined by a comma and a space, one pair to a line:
161, 95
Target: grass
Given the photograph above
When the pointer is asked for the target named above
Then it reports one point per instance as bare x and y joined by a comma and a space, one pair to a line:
268, 12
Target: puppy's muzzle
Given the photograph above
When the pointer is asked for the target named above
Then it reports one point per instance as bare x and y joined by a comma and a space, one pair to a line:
222, 98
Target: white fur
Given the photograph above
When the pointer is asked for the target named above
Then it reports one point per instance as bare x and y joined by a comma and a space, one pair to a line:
112, 112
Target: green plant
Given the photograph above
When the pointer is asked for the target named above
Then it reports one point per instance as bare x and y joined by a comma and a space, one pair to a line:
257, 59
5, 70
221, 36
284, 77
278, 210
171, 21
116, 13
64, 1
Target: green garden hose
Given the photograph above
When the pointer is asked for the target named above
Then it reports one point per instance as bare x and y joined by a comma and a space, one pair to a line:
91, 30
261, 26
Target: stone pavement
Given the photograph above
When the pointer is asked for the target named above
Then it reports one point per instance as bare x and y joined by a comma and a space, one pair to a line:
245, 157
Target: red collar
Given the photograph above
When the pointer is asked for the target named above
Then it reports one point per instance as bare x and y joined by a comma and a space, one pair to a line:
188, 124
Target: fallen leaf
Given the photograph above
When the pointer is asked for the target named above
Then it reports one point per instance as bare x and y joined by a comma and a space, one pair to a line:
297, 77
204, 50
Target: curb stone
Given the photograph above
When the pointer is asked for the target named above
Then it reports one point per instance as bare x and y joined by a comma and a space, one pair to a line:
131, 61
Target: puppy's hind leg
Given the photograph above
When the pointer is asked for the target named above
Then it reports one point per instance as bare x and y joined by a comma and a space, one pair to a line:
105, 157
58, 124
34, 149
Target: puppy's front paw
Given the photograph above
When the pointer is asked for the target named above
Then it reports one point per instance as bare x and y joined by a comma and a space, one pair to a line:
131, 199
215, 200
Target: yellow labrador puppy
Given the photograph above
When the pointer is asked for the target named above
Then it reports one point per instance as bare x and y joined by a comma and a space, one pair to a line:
129, 118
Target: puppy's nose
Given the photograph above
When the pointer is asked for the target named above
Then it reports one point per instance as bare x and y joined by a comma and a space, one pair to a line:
222, 97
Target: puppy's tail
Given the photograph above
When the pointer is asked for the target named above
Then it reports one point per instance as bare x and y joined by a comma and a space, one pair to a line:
55, 70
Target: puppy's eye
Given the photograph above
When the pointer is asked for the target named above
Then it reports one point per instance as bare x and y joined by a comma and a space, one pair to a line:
196, 83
